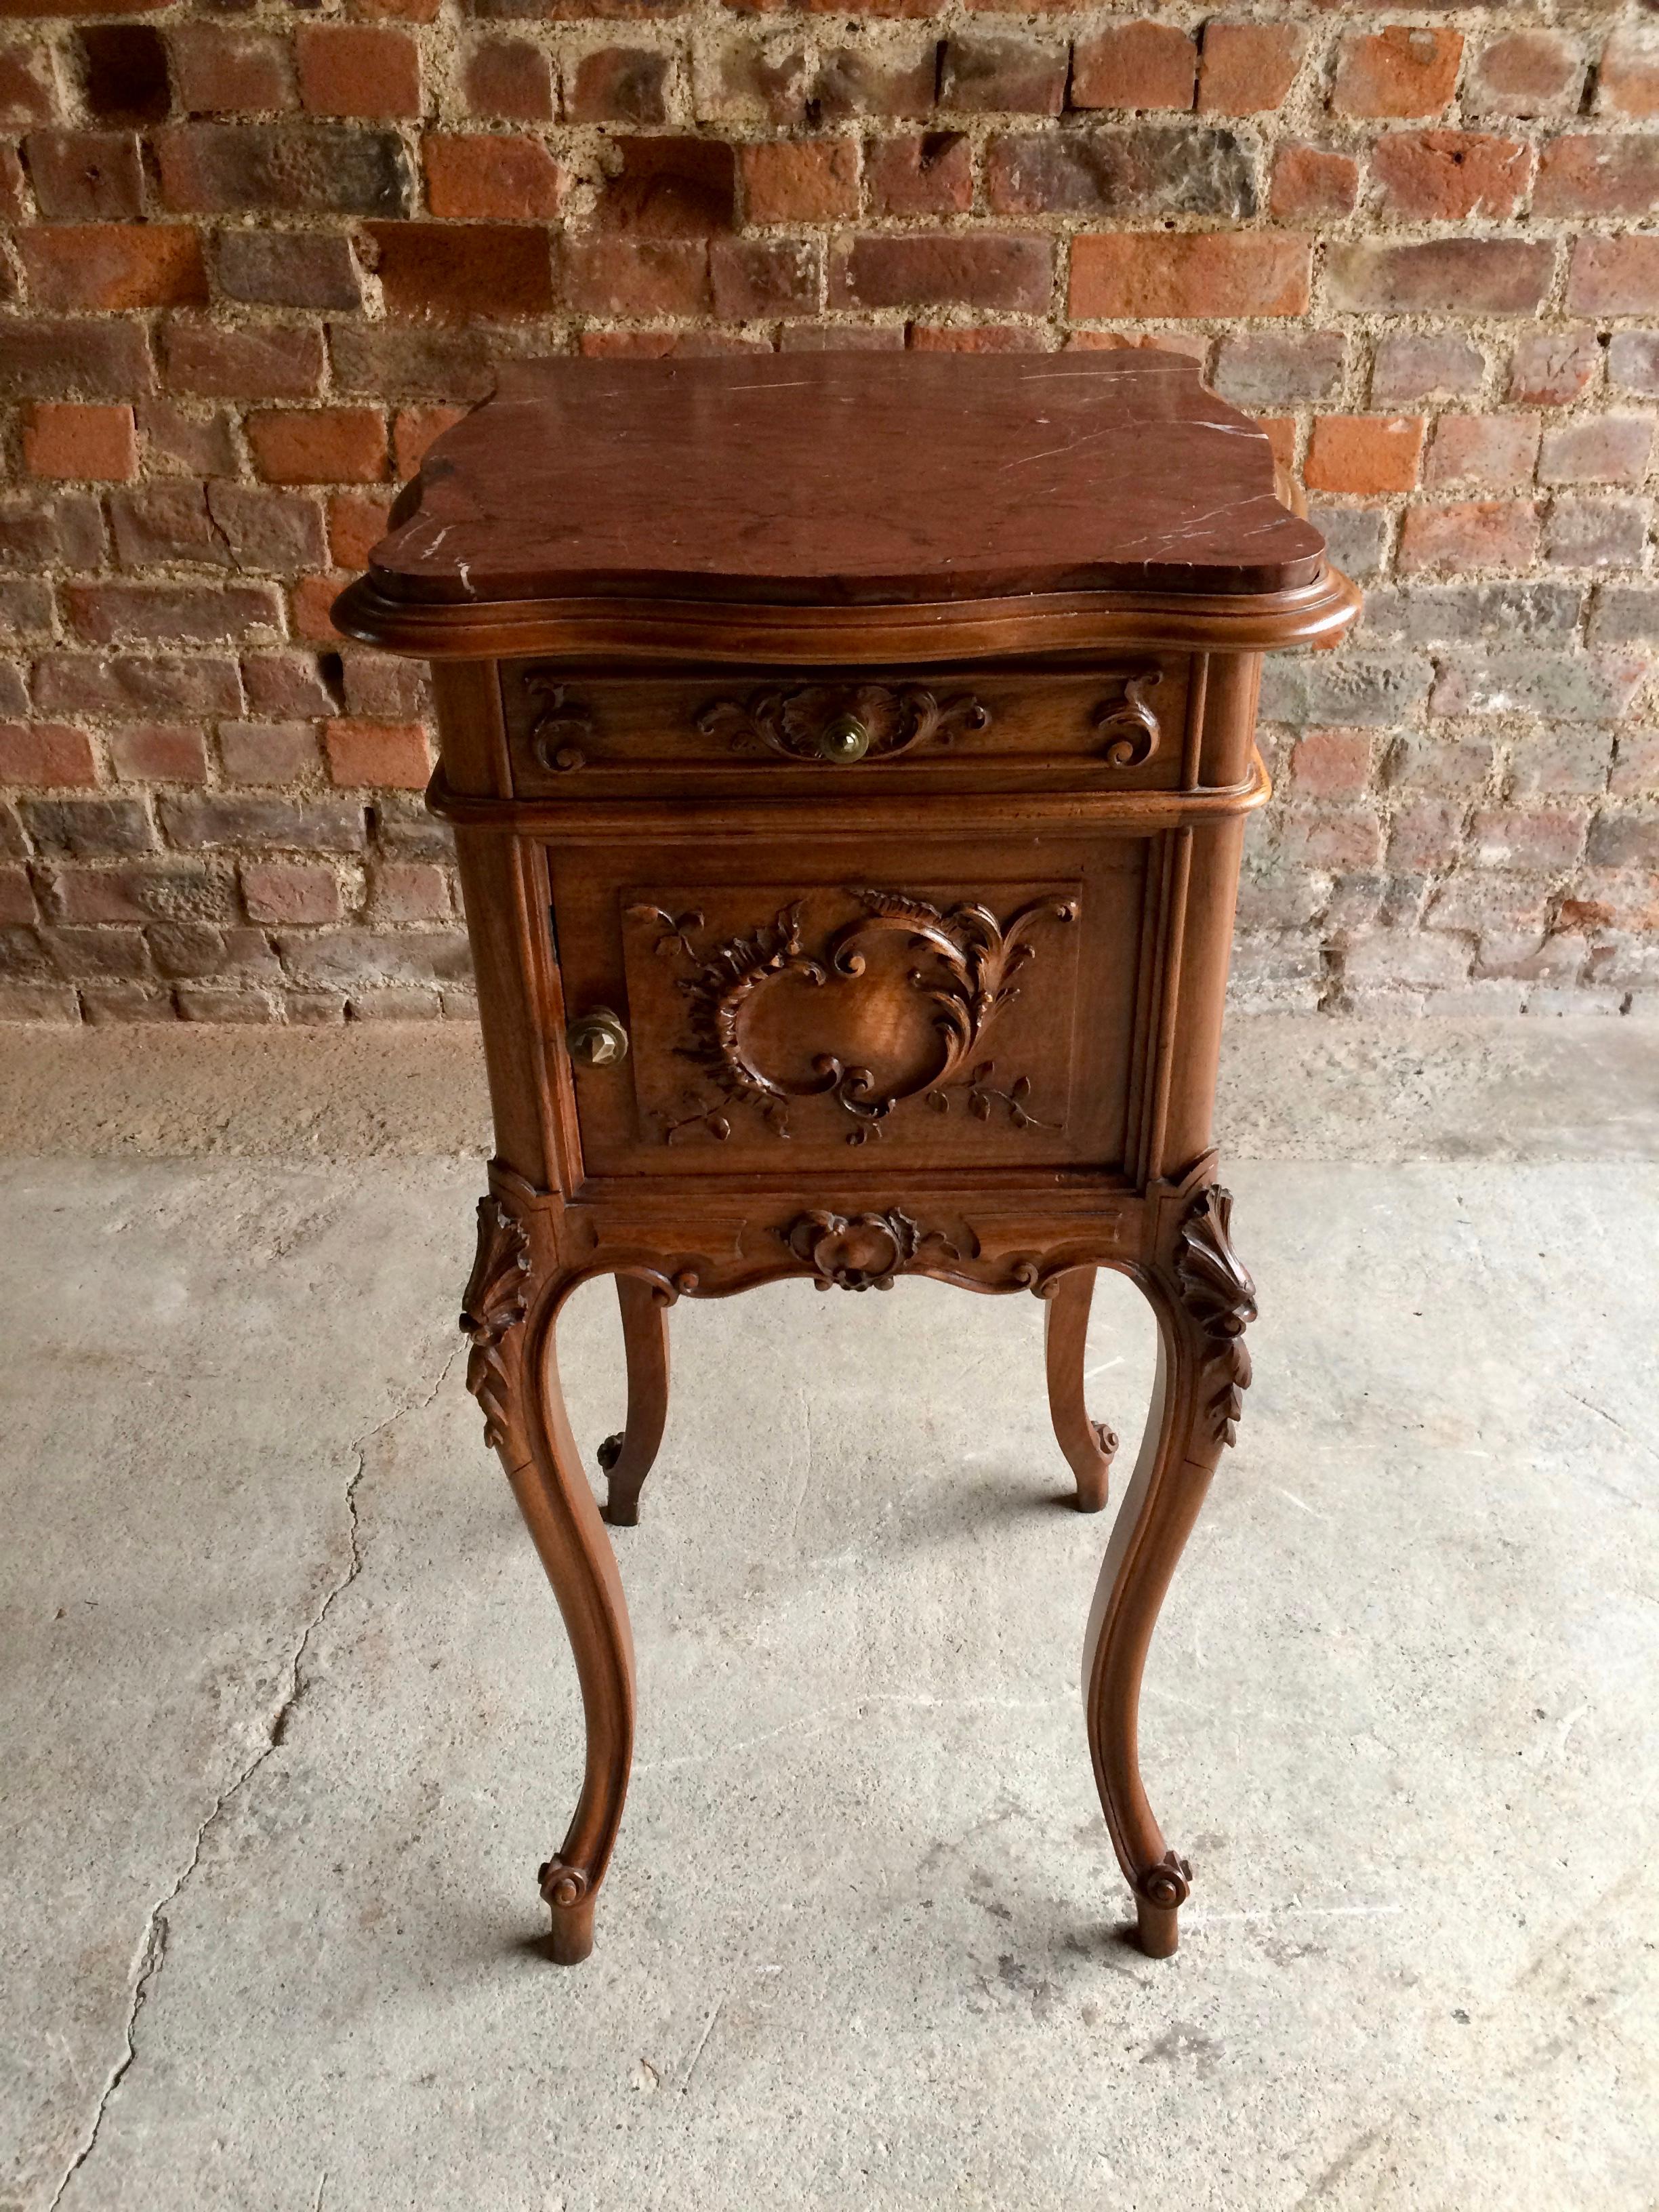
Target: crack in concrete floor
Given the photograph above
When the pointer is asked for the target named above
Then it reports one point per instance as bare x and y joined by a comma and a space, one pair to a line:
151, 1955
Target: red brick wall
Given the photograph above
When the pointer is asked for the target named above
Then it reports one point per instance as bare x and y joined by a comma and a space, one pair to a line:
256, 254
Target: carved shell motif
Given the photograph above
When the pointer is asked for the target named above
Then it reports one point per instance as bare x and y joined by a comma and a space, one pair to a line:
1221, 1298
793, 722
861, 1251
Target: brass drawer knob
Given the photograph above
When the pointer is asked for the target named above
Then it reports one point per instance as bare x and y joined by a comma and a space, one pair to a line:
843, 737
597, 1040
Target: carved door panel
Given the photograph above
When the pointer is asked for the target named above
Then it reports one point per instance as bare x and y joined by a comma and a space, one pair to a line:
950, 1008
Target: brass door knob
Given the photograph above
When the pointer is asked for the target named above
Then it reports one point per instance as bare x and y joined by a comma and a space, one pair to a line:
844, 739
598, 1039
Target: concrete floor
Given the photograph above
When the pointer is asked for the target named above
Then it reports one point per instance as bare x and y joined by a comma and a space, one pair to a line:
288, 1719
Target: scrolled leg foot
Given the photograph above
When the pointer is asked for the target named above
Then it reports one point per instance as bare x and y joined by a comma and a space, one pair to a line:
570, 1900
1160, 1892
1090, 1446
627, 1457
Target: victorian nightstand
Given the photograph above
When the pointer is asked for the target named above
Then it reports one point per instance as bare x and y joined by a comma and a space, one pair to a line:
849, 757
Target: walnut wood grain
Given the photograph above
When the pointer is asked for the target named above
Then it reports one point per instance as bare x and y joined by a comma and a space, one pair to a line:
762, 1000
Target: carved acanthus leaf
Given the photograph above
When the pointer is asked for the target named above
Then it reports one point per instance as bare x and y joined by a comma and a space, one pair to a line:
494, 1306
1220, 1297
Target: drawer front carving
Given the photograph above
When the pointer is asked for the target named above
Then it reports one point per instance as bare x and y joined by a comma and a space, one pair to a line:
1120, 725
948, 1015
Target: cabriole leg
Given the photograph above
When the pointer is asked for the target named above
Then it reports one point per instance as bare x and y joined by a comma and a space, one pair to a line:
1203, 1300
509, 1316
1088, 1446
627, 1457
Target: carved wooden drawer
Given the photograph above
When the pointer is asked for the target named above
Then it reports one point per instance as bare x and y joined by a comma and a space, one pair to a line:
943, 1006
1120, 723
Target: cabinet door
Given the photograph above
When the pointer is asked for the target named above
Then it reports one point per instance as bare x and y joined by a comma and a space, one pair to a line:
953, 1004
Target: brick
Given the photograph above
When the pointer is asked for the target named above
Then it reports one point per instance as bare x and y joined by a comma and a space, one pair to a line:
491, 176
269, 752
1350, 690
88, 829
1627, 81
507, 79
51, 531
26, 88
1614, 275
25, 606
18, 908
1011, 75
220, 70
188, 949
379, 754
114, 265
1571, 761
389, 362
386, 689
148, 684
311, 609
413, 431
1479, 533
756, 277
357, 69
45, 754
1599, 176
319, 445
1597, 449
800, 180
287, 269
1624, 840
272, 360
1551, 368
635, 277
288, 892
670, 188
1457, 276
85, 176
920, 173
268, 532
1625, 614
619, 84
1140, 169
1364, 454
354, 958
975, 337
741, 78
1596, 533
14, 697
1248, 69
1633, 363
61, 438
201, 822
281, 683
895, 80
159, 752
170, 614
1135, 65
409, 891
178, 441
1518, 837
124, 73
157, 523
286, 169
199, 1002
356, 522
1129, 275
842, 337
1332, 764
48, 359
970, 270
14, 207
1568, 687
1425, 365
1496, 452
1428, 834
1517, 614
1311, 182
1525, 74
1399, 71
1444, 176
1635, 773
1438, 760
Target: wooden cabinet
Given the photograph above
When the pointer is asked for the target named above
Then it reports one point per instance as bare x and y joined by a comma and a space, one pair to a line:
849, 828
